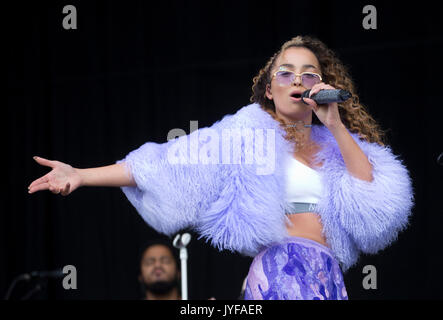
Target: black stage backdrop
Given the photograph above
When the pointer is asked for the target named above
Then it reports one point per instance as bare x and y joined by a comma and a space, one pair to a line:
133, 70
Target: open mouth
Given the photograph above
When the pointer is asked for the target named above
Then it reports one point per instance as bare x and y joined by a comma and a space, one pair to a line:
296, 96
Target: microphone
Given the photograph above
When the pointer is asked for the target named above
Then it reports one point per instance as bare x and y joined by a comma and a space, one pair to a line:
327, 96
181, 241
57, 273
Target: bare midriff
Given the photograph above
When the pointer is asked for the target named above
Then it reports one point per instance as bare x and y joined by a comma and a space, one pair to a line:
307, 224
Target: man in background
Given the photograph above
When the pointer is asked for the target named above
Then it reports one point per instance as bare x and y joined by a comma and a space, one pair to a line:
159, 271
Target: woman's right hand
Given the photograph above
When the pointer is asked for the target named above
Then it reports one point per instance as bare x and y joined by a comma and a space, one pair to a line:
62, 179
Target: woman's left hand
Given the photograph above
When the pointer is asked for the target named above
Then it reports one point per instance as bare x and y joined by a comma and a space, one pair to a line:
327, 113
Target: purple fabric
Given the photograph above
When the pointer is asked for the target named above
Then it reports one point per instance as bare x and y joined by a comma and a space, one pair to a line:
295, 269
228, 204
236, 209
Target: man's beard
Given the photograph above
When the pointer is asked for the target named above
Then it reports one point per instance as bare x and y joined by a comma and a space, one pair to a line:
161, 287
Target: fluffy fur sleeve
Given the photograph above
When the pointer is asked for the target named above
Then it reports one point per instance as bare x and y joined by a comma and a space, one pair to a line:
372, 213
232, 205
171, 191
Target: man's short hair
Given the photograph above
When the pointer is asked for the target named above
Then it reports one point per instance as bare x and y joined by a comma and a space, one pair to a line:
159, 241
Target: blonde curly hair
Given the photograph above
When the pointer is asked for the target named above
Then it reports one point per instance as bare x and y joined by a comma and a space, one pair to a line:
352, 113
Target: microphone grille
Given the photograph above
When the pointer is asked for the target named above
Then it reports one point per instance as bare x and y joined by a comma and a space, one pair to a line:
345, 95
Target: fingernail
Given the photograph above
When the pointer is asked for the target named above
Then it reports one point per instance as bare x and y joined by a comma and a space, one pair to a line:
34, 157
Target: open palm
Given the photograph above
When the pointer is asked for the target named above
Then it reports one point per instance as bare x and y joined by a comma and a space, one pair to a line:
61, 179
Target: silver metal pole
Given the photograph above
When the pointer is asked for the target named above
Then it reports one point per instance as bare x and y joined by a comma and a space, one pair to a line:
180, 242
184, 273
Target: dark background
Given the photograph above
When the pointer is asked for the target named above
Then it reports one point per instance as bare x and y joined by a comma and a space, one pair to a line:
133, 70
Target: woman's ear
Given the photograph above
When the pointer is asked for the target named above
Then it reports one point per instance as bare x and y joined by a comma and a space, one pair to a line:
268, 92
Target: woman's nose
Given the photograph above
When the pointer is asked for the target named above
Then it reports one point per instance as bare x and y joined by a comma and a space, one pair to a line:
297, 80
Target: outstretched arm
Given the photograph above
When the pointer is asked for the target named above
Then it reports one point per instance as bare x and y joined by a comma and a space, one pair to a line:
64, 179
114, 175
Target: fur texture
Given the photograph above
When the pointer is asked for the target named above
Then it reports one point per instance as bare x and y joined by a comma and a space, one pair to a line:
237, 209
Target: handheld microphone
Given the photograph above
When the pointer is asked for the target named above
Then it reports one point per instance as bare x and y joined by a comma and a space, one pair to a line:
327, 96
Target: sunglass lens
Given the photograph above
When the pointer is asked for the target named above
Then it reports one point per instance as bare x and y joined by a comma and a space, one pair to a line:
309, 80
285, 77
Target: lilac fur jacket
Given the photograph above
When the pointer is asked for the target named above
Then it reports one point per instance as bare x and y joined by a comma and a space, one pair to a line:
227, 182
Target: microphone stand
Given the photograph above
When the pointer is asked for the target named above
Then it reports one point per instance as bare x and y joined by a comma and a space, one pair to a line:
180, 242
21, 277
40, 275
38, 287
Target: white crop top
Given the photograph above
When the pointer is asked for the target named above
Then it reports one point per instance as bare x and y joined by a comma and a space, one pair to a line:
303, 183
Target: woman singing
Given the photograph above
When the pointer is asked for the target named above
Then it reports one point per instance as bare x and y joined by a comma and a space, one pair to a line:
308, 187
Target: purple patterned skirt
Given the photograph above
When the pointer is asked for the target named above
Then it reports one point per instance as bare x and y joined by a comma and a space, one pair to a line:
295, 269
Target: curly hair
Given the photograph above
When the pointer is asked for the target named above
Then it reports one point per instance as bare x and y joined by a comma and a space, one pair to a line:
352, 113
